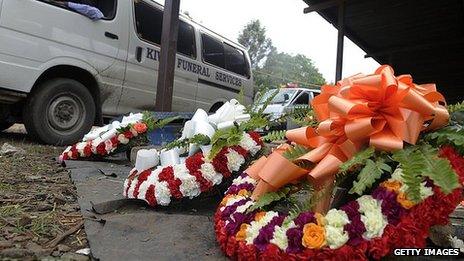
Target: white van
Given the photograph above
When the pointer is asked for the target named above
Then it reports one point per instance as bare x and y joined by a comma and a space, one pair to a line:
61, 72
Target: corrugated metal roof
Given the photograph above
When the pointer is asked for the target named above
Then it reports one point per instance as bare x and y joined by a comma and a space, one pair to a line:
424, 38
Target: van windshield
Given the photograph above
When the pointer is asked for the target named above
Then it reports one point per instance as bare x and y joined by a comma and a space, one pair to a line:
282, 97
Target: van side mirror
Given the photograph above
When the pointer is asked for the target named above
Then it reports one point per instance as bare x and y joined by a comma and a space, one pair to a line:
286, 97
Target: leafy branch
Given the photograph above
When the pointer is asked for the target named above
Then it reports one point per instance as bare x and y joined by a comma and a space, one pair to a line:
274, 135
198, 139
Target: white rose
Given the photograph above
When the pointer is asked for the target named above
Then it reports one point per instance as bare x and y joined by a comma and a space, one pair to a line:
335, 236
122, 139
336, 218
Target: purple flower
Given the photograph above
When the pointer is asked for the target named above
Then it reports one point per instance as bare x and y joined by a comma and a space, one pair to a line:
390, 207
356, 227
231, 209
266, 233
294, 236
305, 218
236, 221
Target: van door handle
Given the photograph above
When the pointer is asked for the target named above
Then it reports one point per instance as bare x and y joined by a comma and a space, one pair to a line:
138, 53
111, 36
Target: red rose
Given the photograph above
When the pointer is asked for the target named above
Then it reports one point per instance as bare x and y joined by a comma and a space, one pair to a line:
140, 127
114, 141
101, 149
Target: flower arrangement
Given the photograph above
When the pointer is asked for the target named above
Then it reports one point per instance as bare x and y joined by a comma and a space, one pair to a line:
279, 207
114, 138
214, 147
197, 175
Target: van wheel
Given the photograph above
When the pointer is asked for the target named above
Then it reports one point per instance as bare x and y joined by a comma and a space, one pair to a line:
215, 107
60, 112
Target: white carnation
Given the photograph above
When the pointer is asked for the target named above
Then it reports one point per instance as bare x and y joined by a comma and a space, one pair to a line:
280, 235
244, 207
397, 175
189, 186
255, 226
336, 218
368, 204
425, 191
208, 172
162, 193
335, 236
375, 222
122, 139
234, 160
249, 144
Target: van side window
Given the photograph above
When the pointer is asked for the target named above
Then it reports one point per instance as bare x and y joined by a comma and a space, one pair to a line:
224, 55
235, 60
149, 24
303, 99
213, 51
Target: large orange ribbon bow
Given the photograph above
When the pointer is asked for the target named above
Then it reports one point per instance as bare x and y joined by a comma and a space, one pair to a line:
379, 110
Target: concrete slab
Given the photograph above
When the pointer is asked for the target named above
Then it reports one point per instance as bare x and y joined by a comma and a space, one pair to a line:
183, 231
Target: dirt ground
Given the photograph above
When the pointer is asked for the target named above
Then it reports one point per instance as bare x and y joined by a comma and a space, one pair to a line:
38, 203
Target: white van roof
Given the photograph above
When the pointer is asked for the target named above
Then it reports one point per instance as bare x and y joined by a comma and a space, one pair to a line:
198, 25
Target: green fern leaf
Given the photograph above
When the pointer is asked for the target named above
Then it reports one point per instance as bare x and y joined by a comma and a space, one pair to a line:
274, 136
269, 197
357, 160
371, 172
295, 152
412, 165
456, 107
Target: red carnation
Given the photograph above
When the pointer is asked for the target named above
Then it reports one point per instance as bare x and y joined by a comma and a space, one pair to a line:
150, 196
142, 177
128, 134
256, 137
246, 252
220, 163
231, 246
272, 253
379, 247
74, 153
101, 149
240, 150
173, 185
114, 141
194, 162
166, 174
88, 150
65, 156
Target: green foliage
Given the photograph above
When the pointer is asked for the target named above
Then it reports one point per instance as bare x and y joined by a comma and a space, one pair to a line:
153, 123
275, 135
295, 152
253, 37
225, 138
270, 197
423, 161
198, 139
359, 159
302, 115
453, 135
371, 172
282, 68
456, 107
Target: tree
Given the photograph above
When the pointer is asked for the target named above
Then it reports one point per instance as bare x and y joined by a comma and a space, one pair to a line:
253, 37
282, 68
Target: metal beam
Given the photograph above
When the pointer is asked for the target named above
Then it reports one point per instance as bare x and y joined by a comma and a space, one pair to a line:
416, 47
340, 42
320, 6
167, 56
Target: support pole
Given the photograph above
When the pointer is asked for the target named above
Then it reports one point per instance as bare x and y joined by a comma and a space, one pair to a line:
167, 56
341, 34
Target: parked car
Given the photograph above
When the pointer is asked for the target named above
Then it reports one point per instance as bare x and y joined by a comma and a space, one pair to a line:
284, 101
61, 72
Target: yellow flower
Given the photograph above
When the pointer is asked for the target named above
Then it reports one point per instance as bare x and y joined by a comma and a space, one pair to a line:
241, 234
226, 199
260, 215
392, 185
404, 201
313, 236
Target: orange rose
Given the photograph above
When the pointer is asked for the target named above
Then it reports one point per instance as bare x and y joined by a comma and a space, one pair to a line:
313, 236
140, 127
241, 234
404, 201
391, 185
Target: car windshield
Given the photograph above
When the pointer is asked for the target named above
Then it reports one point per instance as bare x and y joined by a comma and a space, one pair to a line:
282, 97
